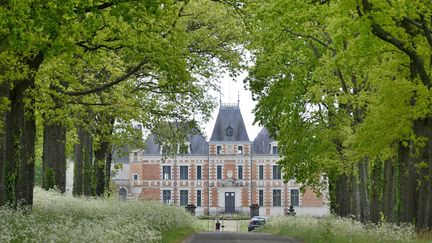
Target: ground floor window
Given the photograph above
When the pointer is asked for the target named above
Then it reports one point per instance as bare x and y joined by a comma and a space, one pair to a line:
261, 198
198, 203
277, 195
295, 197
183, 197
166, 196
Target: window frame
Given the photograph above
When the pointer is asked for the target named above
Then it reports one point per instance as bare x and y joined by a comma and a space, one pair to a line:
260, 172
183, 197
261, 198
277, 172
240, 149
277, 198
219, 172
240, 172
218, 149
198, 198
164, 201
295, 197
184, 176
163, 172
199, 172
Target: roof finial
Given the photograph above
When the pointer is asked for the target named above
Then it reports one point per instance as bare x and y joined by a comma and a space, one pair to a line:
238, 98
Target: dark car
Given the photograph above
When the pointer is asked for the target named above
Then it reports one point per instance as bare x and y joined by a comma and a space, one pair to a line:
256, 222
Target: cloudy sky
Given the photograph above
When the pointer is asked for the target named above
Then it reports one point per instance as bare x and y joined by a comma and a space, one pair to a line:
230, 88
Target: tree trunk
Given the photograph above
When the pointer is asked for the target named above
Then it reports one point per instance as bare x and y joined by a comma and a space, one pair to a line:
389, 190
88, 167
20, 148
355, 197
78, 165
407, 185
376, 206
101, 155
4, 93
363, 189
343, 197
108, 170
54, 157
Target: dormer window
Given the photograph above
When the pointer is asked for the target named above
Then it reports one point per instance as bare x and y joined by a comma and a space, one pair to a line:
229, 131
275, 150
240, 149
219, 149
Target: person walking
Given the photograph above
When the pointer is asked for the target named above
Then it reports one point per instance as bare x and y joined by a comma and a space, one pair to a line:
218, 225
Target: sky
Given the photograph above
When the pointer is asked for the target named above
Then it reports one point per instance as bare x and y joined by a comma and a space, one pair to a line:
231, 89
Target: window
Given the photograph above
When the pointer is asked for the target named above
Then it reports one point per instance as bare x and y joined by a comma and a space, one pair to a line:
295, 197
276, 172
135, 177
275, 150
261, 172
183, 172
261, 198
198, 172
198, 203
218, 149
166, 196
240, 172
183, 197
277, 195
166, 172
240, 149
219, 172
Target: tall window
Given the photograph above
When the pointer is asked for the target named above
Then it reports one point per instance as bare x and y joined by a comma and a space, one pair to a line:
295, 197
183, 172
198, 197
166, 172
198, 172
261, 172
277, 195
219, 172
183, 197
166, 196
135, 177
276, 172
261, 198
218, 149
240, 149
240, 172
275, 150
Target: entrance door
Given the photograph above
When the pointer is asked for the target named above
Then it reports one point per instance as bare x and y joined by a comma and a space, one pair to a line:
229, 202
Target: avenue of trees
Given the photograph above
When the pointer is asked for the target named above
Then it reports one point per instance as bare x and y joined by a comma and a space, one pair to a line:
76, 77
345, 88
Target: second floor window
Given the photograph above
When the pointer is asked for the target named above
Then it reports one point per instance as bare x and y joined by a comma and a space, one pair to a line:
219, 172
198, 172
240, 172
240, 149
166, 172
277, 175
184, 172
261, 172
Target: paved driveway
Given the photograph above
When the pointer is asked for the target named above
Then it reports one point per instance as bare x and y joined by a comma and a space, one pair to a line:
235, 237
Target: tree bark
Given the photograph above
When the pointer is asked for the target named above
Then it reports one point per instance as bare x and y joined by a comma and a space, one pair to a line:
355, 197
108, 170
101, 155
54, 157
376, 206
4, 93
389, 190
343, 197
407, 183
363, 190
78, 165
88, 166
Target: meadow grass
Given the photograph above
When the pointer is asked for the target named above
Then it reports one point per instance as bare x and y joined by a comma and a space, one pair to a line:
334, 229
63, 218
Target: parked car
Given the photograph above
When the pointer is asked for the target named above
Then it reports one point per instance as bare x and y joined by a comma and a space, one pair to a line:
256, 221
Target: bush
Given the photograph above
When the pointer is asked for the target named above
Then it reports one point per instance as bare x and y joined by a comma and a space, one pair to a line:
62, 218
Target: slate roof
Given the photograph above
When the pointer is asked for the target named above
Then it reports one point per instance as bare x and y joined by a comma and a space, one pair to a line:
197, 142
261, 142
229, 117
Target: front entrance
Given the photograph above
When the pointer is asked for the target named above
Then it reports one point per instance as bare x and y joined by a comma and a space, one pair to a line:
229, 202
